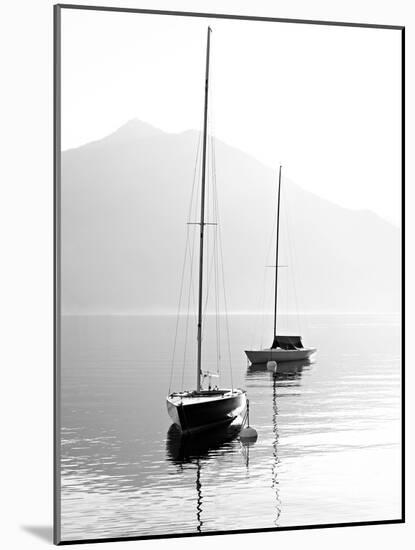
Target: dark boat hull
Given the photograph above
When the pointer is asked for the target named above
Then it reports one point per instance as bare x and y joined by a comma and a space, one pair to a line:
193, 414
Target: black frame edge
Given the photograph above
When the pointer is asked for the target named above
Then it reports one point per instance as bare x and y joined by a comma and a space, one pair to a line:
56, 270
230, 16
403, 176
235, 532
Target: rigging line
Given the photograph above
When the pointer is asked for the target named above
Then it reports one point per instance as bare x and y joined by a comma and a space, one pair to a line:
289, 281
209, 261
223, 270
210, 252
217, 319
194, 216
216, 273
191, 304
276, 254
184, 265
270, 244
217, 302
210, 257
199, 177
207, 200
194, 178
191, 256
178, 311
204, 309
291, 252
215, 216
215, 237
190, 294
226, 310
210, 265
261, 320
262, 303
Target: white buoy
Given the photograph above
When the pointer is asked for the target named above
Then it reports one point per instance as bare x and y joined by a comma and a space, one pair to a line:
248, 435
272, 366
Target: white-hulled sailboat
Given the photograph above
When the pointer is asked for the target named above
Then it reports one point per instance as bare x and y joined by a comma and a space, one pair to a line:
203, 409
284, 347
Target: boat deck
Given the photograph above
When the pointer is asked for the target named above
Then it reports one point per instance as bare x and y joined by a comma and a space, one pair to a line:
203, 396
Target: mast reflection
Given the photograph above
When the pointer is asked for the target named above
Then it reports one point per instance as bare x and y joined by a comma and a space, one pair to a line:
275, 465
183, 449
286, 372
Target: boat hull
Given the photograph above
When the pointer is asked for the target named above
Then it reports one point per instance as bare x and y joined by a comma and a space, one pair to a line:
203, 412
265, 355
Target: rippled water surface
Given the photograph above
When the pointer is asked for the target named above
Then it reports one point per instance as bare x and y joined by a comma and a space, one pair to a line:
328, 447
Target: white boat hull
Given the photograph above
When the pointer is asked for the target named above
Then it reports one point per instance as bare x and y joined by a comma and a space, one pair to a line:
264, 355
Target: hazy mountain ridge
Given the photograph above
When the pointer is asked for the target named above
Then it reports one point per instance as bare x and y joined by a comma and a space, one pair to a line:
124, 210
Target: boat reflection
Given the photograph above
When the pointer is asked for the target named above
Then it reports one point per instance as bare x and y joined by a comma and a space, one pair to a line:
184, 449
284, 370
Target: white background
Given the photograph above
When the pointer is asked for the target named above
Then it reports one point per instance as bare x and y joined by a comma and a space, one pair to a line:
26, 270
325, 101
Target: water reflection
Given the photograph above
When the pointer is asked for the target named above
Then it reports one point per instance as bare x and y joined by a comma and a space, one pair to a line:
275, 465
327, 432
185, 449
287, 373
285, 369
199, 498
196, 449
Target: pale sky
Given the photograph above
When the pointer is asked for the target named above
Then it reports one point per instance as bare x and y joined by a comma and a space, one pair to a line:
324, 101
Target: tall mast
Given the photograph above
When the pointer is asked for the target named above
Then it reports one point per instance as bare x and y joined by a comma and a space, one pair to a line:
202, 217
276, 255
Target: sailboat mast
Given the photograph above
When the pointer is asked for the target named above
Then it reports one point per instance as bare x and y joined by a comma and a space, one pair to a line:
276, 254
202, 217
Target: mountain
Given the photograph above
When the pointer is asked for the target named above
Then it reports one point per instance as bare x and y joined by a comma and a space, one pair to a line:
125, 202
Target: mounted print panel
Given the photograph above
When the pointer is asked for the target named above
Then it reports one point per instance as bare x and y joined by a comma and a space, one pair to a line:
228, 330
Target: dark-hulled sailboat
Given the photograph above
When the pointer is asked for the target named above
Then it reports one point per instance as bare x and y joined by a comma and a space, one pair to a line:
283, 348
201, 409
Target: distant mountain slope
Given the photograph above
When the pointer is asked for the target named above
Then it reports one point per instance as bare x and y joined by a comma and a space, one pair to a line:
124, 208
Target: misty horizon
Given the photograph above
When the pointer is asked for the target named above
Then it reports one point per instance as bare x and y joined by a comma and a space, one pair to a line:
135, 121
120, 204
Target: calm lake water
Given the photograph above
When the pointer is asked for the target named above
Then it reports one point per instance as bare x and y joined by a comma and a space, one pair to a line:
328, 447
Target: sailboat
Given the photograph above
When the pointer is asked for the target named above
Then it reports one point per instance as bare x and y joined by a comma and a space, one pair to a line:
201, 409
284, 347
